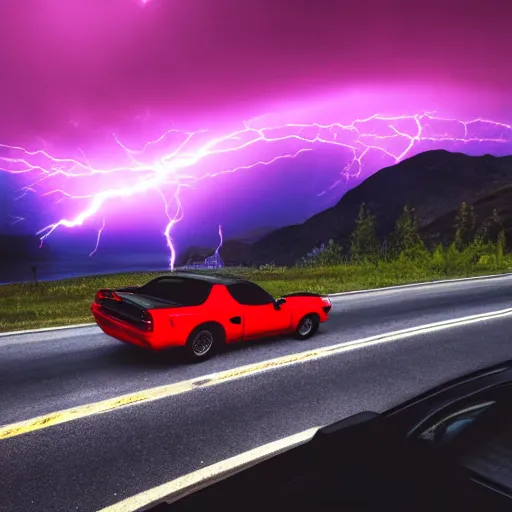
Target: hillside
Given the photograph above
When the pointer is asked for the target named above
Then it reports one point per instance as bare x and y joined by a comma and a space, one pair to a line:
254, 235
441, 230
434, 183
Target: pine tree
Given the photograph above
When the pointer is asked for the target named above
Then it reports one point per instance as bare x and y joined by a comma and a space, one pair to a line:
501, 242
405, 237
465, 224
439, 257
472, 220
490, 229
364, 244
502, 239
452, 258
495, 227
384, 249
482, 234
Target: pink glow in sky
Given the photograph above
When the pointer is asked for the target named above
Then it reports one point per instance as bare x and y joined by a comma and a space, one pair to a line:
70, 67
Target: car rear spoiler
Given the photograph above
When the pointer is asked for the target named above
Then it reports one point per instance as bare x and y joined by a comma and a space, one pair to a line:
302, 294
127, 289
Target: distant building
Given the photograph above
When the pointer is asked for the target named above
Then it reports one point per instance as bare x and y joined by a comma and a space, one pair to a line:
214, 261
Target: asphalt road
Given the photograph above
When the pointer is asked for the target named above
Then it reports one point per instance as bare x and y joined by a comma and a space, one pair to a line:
98, 460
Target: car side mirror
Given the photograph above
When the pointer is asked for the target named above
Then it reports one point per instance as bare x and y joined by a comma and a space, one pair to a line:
278, 303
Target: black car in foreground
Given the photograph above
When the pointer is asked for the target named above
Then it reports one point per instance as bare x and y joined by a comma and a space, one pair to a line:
448, 449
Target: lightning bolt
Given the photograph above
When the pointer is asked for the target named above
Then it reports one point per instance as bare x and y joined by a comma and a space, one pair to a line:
100, 231
216, 253
190, 159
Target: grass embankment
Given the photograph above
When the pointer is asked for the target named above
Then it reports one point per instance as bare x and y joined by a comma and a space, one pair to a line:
65, 302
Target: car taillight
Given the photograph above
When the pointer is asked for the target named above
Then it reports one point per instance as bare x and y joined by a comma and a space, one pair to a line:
147, 320
100, 296
107, 294
326, 304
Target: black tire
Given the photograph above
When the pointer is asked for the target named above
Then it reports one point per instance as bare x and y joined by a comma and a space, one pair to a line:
307, 327
203, 342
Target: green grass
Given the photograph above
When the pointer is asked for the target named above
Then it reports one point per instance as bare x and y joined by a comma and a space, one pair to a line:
66, 302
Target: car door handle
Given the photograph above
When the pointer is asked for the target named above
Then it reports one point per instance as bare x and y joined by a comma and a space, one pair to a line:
237, 320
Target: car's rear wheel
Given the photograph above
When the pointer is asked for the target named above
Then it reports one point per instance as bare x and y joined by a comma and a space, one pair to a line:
203, 342
308, 326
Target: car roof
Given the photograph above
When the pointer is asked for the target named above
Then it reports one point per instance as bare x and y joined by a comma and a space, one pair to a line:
225, 280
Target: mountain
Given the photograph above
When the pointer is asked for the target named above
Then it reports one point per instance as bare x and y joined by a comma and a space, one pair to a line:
433, 182
234, 251
254, 235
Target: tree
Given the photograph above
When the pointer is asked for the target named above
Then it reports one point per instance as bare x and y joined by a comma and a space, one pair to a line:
502, 239
496, 227
490, 229
439, 257
465, 224
501, 242
364, 245
452, 258
405, 237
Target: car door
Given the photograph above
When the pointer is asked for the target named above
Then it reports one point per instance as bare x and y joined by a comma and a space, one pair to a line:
259, 314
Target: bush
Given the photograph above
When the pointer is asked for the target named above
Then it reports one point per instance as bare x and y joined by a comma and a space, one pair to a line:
324, 256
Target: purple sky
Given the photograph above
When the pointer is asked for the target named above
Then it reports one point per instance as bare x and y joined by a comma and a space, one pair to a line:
97, 62
76, 71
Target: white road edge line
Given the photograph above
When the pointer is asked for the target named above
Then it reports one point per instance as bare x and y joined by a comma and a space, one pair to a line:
180, 487
339, 294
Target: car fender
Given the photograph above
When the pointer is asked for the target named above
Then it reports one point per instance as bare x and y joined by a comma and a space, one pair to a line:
302, 305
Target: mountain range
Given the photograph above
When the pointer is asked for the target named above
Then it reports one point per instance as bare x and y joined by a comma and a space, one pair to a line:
434, 183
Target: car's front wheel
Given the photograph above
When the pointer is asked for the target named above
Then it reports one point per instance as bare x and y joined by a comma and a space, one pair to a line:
308, 326
203, 342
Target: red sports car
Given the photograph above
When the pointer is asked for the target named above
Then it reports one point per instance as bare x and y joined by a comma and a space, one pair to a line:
201, 312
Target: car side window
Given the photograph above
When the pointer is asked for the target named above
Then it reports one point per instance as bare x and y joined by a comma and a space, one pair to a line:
477, 435
450, 426
450, 421
249, 294
487, 450
185, 292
